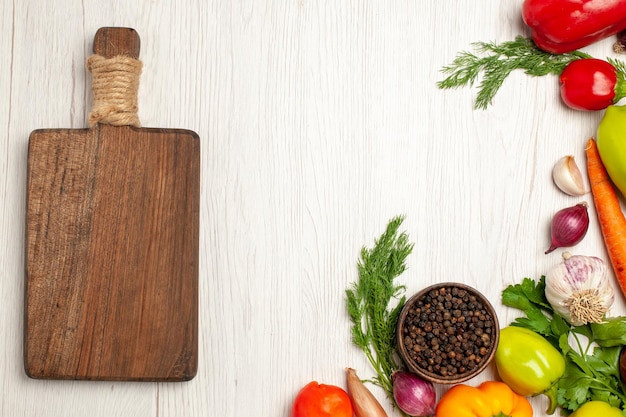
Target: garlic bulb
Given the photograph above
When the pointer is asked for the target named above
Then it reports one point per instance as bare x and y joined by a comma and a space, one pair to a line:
567, 176
578, 289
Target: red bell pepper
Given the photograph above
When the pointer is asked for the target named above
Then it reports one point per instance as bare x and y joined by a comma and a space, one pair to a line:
560, 26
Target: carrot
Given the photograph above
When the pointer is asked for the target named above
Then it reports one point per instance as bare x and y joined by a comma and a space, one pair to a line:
609, 211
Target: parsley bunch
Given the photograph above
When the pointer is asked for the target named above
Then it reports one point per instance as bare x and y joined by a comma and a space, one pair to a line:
591, 351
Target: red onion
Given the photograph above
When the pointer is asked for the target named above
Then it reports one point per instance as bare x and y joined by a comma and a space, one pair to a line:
413, 395
569, 226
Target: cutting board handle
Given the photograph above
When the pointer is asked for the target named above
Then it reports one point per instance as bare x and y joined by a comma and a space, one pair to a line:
114, 41
115, 67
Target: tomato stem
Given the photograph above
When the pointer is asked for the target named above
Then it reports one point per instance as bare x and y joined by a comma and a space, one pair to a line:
620, 89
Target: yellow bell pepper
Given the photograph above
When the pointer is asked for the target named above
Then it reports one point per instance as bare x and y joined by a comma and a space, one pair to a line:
597, 409
489, 399
529, 364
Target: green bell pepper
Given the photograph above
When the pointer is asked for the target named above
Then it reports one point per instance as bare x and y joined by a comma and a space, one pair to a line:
528, 363
611, 140
597, 409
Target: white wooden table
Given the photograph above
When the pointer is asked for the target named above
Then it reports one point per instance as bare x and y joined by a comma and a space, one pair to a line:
319, 122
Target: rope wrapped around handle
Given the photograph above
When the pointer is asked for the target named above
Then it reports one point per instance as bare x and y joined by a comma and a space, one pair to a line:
114, 87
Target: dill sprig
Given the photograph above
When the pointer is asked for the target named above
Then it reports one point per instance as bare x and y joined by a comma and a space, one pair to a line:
496, 61
368, 301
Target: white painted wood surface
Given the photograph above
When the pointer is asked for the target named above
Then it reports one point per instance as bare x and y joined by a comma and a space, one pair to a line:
319, 121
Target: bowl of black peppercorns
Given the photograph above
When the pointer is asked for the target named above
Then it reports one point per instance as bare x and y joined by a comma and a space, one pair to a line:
447, 333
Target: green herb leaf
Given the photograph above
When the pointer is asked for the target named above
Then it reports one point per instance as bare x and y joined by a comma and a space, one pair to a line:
558, 326
604, 362
536, 321
610, 356
495, 62
564, 344
573, 388
529, 296
611, 332
370, 301
579, 360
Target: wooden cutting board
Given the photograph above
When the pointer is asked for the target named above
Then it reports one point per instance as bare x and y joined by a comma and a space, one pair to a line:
112, 235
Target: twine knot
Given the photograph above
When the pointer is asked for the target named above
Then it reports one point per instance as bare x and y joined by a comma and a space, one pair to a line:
115, 85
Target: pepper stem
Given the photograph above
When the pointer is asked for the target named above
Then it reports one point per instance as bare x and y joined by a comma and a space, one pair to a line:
551, 393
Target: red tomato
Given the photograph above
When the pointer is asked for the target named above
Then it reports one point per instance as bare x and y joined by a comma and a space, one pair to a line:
590, 84
319, 400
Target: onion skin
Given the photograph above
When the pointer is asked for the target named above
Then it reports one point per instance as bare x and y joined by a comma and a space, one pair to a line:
569, 226
413, 395
363, 401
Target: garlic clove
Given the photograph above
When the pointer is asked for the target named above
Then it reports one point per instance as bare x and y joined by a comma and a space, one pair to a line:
567, 176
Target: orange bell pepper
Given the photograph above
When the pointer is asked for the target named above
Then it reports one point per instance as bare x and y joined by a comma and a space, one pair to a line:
489, 399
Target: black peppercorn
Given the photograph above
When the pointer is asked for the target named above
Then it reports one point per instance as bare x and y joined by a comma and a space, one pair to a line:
458, 330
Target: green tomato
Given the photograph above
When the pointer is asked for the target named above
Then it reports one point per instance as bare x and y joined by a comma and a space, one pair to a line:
527, 362
597, 409
611, 140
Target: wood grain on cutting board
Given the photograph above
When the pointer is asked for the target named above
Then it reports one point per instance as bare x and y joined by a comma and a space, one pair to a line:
112, 250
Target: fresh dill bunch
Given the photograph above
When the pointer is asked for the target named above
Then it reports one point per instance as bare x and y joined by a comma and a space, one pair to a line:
369, 299
496, 61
